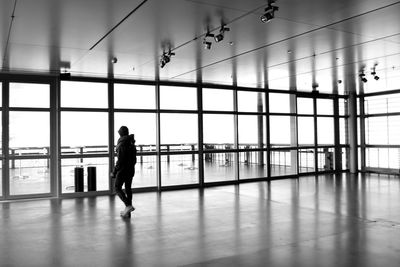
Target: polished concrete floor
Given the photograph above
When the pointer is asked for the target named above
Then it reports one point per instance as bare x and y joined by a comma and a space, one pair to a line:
311, 221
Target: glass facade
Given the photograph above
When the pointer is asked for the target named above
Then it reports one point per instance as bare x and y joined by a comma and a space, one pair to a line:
382, 132
230, 135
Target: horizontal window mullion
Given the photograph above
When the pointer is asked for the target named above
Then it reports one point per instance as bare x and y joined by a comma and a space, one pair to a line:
125, 110
381, 146
84, 109
382, 114
283, 148
252, 149
74, 156
325, 116
305, 115
380, 93
252, 113
191, 111
29, 109
29, 156
282, 114
184, 152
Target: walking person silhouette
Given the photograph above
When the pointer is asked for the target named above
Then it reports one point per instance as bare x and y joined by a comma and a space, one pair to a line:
124, 169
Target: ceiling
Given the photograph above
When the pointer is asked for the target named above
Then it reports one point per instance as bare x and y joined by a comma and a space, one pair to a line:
309, 41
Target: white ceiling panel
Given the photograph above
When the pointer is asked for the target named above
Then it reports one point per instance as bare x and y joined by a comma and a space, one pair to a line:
53, 35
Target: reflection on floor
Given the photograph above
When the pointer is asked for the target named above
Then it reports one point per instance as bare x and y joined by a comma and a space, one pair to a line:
36, 180
324, 221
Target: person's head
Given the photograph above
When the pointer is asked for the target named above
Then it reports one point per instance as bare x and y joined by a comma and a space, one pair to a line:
123, 131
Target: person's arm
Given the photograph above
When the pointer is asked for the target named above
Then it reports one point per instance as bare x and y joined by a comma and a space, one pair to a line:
121, 158
117, 166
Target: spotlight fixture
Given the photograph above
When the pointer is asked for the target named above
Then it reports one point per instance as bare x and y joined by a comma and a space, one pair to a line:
339, 81
114, 60
219, 37
207, 44
362, 77
373, 73
269, 12
166, 57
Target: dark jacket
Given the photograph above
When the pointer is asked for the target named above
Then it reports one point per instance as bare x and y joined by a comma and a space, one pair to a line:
126, 153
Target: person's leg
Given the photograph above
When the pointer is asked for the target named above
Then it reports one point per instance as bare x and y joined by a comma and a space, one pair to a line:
128, 190
119, 181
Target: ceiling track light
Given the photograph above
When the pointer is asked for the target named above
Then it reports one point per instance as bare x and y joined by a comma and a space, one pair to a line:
362, 77
269, 12
373, 73
207, 44
166, 58
219, 37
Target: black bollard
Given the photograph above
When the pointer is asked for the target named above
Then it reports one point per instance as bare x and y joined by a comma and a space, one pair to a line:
91, 178
78, 179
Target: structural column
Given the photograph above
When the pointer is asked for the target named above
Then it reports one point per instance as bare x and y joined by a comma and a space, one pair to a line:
352, 122
260, 127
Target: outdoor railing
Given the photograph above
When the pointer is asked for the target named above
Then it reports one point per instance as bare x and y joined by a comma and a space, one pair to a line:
213, 152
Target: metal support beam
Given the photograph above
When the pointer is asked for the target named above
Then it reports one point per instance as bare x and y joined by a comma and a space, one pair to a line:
353, 160
362, 133
336, 127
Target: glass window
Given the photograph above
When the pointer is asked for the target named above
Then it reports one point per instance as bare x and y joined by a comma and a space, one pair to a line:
345, 156
283, 162
252, 164
68, 173
342, 107
305, 105
306, 160
382, 104
394, 130
145, 171
305, 131
29, 95
84, 94
29, 176
382, 157
78, 136
343, 131
29, 133
134, 96
251, 101
281, 131
325, 131
219, 167
279, 103
376, 130
218, 131
178, 98
218, 99
376, 104
326, 159
179, 131
142, 125
179, 169
252, 131
324, 106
